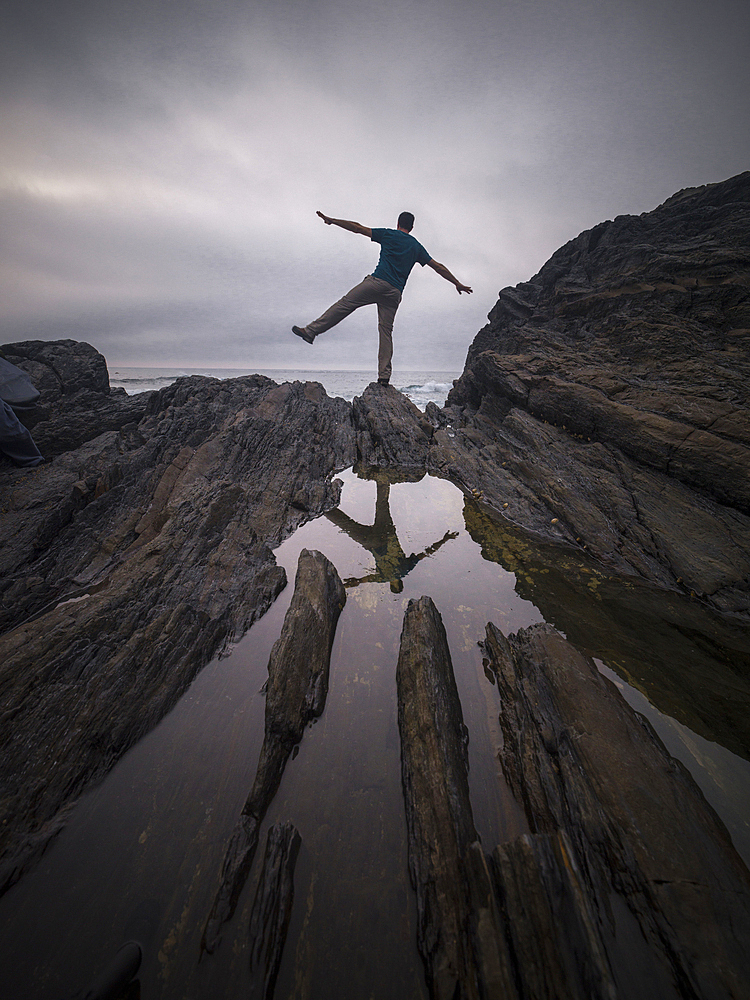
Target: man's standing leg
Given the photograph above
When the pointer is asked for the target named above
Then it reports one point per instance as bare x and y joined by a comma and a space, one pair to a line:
388, 302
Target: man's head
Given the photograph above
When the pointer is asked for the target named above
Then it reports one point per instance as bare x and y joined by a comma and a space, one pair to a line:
406, 221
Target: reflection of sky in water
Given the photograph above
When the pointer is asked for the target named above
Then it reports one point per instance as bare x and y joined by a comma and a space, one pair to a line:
157, 828
462, 584
723, 777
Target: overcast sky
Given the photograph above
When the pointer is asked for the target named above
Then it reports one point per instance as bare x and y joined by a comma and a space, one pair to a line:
162, 160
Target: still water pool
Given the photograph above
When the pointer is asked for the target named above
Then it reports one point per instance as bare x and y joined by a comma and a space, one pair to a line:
141, 854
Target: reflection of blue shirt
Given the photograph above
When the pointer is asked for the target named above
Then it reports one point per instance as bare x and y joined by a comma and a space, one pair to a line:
399, 252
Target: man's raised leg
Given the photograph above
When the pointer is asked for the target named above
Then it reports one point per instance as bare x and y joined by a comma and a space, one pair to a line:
362, 294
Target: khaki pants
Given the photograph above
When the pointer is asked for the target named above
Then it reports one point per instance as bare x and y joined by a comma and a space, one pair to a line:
370, 290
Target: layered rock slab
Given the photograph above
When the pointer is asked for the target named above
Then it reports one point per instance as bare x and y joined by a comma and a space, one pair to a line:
515, 926
272, 909
458, 933
130, 561
627, 885
669, 895
391, 431
605, 403
295, 695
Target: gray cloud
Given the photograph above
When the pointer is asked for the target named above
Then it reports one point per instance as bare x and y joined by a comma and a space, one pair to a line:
162, 164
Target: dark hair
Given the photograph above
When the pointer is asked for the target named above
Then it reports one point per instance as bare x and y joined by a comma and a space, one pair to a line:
406, 221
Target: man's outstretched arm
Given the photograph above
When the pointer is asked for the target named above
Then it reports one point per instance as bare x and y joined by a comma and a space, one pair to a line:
443, 271
353, 227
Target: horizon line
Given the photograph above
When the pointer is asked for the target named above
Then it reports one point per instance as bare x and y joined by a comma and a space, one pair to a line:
267, 368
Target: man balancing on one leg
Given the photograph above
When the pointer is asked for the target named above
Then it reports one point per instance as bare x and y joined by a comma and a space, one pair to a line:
399, 252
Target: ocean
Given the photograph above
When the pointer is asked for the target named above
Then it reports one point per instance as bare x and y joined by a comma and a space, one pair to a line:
420, 386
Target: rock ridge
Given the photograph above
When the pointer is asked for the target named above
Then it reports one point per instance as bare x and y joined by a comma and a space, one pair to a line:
131, 560
625, 885
76, 401
605, 403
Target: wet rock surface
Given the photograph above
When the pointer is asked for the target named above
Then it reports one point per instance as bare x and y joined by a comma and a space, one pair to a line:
295, 696
665, 892
127, 563
555, 940
605, 403
627, 885
272, 908
458, 933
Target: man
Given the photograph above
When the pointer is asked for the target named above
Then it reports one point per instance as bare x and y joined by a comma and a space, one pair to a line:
399, 252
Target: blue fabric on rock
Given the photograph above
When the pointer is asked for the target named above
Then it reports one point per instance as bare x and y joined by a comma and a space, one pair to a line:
16, 387
15, 440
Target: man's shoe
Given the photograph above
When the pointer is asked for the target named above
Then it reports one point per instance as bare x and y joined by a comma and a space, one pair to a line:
303, 333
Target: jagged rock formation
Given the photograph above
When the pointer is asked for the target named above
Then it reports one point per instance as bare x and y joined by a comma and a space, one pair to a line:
627, 885
126, 564
76, 403
609, 393
656, 866
144, 547
295, 695
458, 932
603, 411
272, 909
391, 430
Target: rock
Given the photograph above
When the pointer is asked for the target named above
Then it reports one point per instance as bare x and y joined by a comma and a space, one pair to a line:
116, 978
295, 695
391, 430
272, 908
129, 562
555, 938
609, 392
628, 884
648, 852
76, 403
692, 664
60, 367
458, 933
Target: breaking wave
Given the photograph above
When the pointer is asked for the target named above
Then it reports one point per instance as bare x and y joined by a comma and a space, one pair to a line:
422, 393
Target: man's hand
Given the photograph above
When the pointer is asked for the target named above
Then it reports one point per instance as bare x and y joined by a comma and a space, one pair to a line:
443, 271
351, 227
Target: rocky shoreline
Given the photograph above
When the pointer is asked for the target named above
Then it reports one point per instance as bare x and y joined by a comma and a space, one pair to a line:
605, 403
601, 434
619, 834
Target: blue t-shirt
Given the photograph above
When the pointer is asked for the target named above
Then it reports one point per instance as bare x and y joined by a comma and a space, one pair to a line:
399, 252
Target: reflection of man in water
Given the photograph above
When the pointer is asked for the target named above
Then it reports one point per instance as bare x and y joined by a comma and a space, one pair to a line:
380, 538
